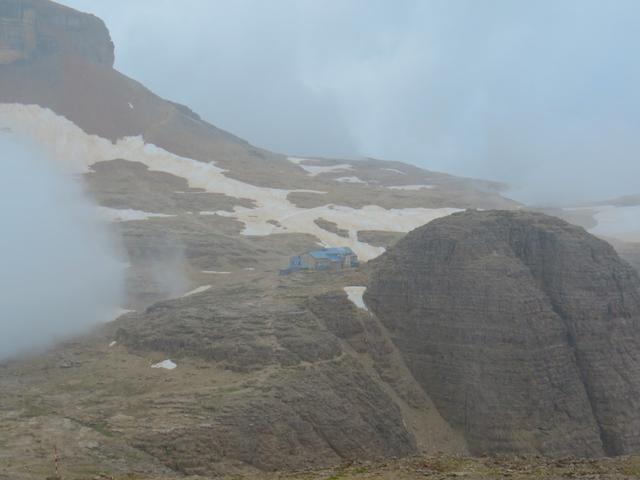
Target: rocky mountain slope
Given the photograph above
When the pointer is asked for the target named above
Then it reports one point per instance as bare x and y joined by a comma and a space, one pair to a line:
214, 202
221, 367
523, 329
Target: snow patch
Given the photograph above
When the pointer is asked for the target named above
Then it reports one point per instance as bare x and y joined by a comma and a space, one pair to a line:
394, 171
314, 170
369, 217
166, 364
77, 151
319, 192
355, 296
410, 187
128, 214
112, 344
213, 272
350, 180
195, 291
131, 105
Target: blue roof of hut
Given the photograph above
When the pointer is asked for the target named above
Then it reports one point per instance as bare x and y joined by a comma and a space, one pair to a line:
332, 254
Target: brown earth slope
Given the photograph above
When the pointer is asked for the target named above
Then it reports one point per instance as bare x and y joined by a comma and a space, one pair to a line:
272, 373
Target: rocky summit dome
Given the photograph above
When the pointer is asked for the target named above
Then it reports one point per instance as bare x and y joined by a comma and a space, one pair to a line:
524, 330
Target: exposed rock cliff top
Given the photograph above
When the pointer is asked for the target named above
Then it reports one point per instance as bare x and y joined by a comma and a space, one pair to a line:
36, 28
523, 329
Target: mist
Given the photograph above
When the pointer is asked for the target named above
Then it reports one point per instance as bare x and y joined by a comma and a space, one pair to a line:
59, 275
542, 95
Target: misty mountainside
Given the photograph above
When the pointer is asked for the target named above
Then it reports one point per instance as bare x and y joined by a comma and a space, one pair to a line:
213, 202
616, 220
218, 365
630, 251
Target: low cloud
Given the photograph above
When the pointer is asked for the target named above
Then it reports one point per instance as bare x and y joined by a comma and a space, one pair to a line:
542, 95
59, 274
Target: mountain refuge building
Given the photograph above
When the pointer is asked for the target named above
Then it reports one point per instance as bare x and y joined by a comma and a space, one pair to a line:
335, 258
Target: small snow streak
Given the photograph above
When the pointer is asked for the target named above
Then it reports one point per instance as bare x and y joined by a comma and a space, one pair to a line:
314, 170
410, 187
128, 214
165, 364
350, 180
355, 296
195, 291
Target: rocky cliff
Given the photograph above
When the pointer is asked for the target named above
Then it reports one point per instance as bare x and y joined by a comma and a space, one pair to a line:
37, 28
522, 328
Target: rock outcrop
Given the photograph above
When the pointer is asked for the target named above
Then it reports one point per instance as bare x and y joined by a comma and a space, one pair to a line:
523, 329
35, 28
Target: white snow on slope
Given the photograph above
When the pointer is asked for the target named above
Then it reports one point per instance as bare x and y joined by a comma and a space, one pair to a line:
195, 291
77, 151
355, 296
349, 180
165, 364
128, 214
394, 171
314, 170
214, 272
410, 187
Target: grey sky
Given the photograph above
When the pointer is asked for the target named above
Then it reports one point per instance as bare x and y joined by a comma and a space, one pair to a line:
543, 95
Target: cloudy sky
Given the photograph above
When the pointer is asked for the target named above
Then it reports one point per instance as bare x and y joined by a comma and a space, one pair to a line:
543, 95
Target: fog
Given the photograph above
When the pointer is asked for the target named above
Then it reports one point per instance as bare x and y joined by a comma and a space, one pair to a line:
59, 273
542, 95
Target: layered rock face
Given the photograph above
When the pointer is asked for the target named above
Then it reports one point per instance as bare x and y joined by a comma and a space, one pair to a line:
525, 331
32, 28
